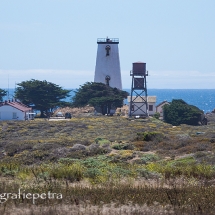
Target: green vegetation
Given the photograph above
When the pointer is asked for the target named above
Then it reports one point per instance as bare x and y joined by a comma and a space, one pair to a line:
149, 136
113, 164
156, 115
2, 94
179, 112
98, 95
42, 95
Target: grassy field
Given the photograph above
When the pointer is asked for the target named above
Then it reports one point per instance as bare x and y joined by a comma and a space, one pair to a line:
106, 165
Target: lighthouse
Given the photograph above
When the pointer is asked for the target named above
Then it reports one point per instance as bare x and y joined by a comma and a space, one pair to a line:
107, 69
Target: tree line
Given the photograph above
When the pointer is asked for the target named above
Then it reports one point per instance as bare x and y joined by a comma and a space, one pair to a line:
46, 96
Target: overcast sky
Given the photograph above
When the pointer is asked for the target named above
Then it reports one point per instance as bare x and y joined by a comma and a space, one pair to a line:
56, 40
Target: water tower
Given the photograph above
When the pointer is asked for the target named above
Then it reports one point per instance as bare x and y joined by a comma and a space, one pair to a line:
138, 98
107, 63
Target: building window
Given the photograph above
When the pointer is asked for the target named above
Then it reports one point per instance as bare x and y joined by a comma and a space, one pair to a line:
14, 115
150, 107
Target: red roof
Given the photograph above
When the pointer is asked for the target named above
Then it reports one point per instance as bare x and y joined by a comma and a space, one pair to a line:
17, 105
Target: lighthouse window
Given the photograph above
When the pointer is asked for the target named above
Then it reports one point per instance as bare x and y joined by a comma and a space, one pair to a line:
107, 79
107, 50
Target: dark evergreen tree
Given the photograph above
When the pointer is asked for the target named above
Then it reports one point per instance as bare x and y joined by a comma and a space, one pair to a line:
179, 112
2, 94
42, 95
98, 95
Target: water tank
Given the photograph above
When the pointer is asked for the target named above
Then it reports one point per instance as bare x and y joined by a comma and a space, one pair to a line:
139, 68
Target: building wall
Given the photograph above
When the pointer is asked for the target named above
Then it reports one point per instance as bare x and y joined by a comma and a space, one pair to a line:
10, 113
159, 109
108, 65
139, 112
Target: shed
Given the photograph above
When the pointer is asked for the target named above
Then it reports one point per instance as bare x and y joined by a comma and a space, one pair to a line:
159, 107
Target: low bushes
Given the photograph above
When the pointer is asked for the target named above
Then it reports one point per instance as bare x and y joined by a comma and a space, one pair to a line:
183, 168
150, 136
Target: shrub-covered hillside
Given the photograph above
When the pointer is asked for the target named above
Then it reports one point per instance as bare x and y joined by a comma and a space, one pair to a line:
97, 162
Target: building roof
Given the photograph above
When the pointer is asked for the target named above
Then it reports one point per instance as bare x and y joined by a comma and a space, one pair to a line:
140, 99
163, 102
17, 105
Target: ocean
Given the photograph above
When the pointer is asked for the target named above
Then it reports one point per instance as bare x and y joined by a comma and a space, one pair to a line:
204, 99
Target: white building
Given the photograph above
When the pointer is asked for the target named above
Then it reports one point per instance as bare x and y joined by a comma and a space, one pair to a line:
138, 106
13, 110
107, 69
159, 107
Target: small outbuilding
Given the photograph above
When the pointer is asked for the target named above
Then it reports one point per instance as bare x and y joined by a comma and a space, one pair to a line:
14, 110
138, 106
159, 107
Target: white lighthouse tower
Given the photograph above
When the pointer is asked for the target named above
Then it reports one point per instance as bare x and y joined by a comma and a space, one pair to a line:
107, 63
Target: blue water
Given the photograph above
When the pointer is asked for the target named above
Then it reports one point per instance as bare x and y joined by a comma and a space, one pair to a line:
203, 99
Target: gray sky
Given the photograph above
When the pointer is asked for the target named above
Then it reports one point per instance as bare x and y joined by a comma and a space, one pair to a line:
56, 40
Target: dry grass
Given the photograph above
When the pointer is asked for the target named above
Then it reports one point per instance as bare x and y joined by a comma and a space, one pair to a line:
183, 197
88, 209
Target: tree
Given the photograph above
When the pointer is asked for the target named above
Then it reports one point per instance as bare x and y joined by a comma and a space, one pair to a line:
179, 112
2, 94
42, 95
99, 95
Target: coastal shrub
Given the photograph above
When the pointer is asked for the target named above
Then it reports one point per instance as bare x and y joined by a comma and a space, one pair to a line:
142, 172
205, 157
156, 115
150, 136
146, 158
179, 112
9, 169
95, 162
75, 172
185, 168
92, 173
45, 146
78, 154
188, 160
78, 147
123, 146
67, 161
122, 155
202, 147
102, 141
95, 149
72, 172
